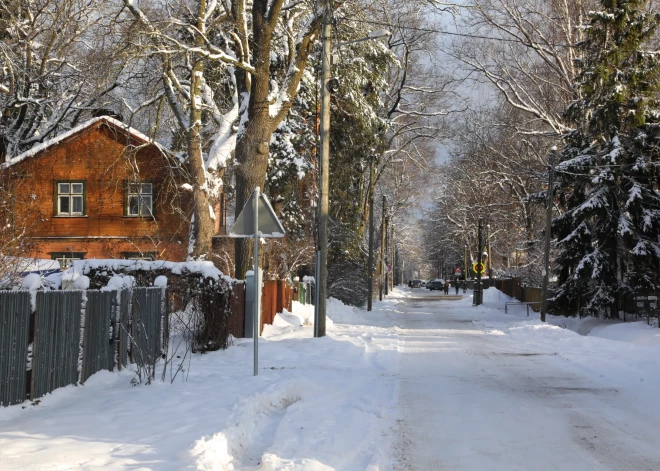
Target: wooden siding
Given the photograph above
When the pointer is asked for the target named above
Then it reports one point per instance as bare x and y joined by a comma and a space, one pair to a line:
106, 158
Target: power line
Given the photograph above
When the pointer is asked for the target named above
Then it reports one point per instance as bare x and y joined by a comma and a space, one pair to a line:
449, 33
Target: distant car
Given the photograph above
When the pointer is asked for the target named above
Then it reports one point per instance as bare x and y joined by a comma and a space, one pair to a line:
436, 284
415, 283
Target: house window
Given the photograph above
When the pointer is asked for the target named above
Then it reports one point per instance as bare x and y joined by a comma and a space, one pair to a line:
70, 199
67, 258
140, 256
140, 200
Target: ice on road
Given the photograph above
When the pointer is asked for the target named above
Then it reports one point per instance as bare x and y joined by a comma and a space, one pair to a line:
424, 382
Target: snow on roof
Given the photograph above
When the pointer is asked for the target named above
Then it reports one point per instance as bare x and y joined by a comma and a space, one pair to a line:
65, 135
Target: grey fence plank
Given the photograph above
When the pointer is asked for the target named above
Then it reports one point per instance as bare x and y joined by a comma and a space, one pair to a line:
15, 313
56, 348
98, 340
146, 325
123, 320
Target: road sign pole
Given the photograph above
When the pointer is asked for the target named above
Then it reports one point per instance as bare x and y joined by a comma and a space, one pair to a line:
257, 282
247, 226
478, 295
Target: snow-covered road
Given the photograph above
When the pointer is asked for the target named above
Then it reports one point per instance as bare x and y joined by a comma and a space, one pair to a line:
472, 398
421, 383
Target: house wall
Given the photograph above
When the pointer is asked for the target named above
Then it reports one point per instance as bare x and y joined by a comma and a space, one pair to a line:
106, 160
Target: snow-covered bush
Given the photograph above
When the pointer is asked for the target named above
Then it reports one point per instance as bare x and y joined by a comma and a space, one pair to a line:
198, 295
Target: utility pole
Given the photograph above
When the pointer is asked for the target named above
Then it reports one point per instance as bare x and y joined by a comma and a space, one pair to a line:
370, 268
324, 177
387, 255
465, 268
490, 260
548, 233
478, 295
382, 251
393, 258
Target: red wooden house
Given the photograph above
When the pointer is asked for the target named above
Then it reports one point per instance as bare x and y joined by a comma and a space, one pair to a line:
101, 190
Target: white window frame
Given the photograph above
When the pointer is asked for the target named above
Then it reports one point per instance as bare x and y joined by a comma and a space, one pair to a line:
71, 195
140, 191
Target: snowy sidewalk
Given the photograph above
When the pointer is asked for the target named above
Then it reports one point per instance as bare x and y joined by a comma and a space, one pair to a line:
421, 383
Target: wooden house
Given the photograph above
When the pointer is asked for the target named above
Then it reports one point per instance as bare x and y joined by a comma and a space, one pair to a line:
100, 190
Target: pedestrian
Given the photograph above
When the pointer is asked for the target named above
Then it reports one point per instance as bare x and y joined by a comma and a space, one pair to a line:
456, 285
446, 286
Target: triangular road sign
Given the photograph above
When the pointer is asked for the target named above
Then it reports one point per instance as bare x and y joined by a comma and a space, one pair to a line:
269, 225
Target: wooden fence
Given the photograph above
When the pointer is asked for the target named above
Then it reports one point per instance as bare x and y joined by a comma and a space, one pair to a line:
70, 335
515, 288
276, 296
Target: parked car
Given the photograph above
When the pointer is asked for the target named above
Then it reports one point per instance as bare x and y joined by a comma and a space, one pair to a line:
436, 285
415, 283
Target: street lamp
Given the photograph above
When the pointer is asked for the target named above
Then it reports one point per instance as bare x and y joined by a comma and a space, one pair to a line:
324, 167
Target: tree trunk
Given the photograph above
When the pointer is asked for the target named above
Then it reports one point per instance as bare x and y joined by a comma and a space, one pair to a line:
252, 145
202, 229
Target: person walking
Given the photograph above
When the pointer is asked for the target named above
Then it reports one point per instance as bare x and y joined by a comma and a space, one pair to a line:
446, 286
456, 281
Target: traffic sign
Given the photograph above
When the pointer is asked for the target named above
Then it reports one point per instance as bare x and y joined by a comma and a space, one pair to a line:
268, 224
458, 271
256, 220
478, 267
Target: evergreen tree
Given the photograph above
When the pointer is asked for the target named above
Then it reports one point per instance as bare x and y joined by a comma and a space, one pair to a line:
608, 234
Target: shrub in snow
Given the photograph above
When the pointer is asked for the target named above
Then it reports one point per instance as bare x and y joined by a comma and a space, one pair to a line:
198, 294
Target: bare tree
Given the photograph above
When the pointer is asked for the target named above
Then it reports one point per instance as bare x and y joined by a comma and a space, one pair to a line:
263, 46
525, 50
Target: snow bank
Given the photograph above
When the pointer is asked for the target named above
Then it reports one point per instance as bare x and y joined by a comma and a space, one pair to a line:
638, 333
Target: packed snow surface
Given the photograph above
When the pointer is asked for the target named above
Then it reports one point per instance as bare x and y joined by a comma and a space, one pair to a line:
424, 382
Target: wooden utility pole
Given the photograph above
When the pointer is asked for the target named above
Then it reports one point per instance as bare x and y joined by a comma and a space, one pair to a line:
370, 262
548, 233
478, 289
393, 259
387, 255
465, 268
490, 260
324, 175
382, 250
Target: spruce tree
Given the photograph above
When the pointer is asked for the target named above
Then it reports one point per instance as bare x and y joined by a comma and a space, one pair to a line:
608, 234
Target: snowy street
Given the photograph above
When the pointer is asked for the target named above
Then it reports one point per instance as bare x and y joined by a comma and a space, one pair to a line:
421, 383
472, 398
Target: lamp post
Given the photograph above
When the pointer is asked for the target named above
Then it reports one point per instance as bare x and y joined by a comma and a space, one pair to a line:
324, 166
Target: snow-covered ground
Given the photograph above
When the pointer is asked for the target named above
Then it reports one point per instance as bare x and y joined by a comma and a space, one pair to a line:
420, 383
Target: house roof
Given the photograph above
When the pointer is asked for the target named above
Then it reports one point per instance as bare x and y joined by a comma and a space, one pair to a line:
78, 129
